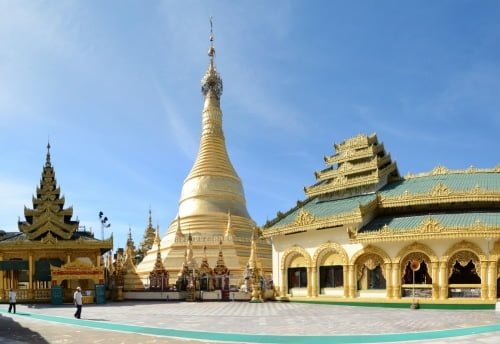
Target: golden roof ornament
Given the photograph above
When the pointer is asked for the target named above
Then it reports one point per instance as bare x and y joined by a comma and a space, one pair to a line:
211, 82
178, 233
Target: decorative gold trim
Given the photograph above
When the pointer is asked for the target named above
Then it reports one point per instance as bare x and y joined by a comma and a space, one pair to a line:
303, 218
439, 194
464, 246
428, 229
416, 247
291, 252
439, 170
367, 250
329, 247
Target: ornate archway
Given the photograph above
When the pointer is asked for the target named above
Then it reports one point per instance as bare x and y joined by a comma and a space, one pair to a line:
300, 272
331, 260
370, 270
417, 271
465, 265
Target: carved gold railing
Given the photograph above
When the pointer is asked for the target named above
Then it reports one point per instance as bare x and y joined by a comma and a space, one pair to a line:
354, 154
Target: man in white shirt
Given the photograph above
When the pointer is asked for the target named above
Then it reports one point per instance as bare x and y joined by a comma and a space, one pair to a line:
12, 300
77, 299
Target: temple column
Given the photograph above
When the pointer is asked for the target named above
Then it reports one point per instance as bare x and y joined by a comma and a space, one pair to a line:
396, 281
2, 282
68, 258
309, 281
484, 280
443, 280
388, 280
98, 260
492, 280
351, 271
284, 283
345, 274
314, 280
30, 276
435, 280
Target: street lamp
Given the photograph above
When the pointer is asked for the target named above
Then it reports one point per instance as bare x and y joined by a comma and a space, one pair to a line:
104, 223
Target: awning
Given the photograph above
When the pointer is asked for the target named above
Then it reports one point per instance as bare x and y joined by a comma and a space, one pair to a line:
14, 265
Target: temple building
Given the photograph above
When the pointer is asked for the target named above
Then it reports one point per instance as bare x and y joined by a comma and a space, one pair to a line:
50, 251
212, 216
363, 233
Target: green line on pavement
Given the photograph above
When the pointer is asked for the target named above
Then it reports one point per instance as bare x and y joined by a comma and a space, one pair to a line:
256, 338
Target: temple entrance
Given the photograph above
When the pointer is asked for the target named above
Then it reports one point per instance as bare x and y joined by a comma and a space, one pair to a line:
464, 279
417, 280
371, 276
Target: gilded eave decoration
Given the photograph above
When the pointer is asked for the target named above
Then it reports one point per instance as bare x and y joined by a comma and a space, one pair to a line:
430, 228
440, 194
305, 221
54, 243
439, 170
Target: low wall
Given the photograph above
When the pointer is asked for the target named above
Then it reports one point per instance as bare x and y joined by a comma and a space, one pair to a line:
154, 295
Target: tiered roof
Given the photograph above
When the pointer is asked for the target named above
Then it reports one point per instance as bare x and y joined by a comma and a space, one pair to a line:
48, 216
442, 202
359, 163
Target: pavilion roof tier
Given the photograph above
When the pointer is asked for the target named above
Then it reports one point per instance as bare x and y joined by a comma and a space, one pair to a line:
360, 164
425, 226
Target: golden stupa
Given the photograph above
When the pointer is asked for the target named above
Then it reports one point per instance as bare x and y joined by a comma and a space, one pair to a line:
212, 206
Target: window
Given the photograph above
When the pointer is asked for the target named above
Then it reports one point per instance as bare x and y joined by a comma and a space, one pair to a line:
297, 278
331, 276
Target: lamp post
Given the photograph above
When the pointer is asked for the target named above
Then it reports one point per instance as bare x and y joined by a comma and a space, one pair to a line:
415, 266
104, 223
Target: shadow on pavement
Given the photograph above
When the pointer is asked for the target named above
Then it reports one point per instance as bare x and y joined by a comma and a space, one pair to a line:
11, 329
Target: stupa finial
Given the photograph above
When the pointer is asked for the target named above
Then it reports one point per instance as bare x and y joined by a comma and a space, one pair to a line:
47, 159
211, 82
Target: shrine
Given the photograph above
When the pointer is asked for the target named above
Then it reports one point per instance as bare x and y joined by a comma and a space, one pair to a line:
51, 255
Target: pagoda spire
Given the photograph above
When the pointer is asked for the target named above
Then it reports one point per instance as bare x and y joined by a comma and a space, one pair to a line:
178, 233
48, 215
212, 184
47, 158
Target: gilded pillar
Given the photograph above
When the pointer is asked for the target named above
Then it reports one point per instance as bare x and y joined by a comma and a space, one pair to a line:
345, 274
284, 283
388, 279
396, 281
309, 281
2, 284
351, 270
443, 280
435, 280
98, 260
314, 280
492, 280
30, 276
484, 280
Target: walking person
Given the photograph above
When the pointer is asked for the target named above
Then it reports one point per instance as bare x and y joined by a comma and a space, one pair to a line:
77, 299
12, 300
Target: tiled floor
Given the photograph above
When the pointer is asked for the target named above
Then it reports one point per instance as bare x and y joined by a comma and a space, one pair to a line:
270, 322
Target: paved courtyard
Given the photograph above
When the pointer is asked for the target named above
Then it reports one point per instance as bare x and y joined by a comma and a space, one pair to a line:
223, 322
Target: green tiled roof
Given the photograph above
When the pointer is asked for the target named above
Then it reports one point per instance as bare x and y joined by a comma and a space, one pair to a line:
327, 208
454, 182
446, 220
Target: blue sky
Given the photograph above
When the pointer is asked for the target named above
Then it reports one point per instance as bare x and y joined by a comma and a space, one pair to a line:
115, 85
